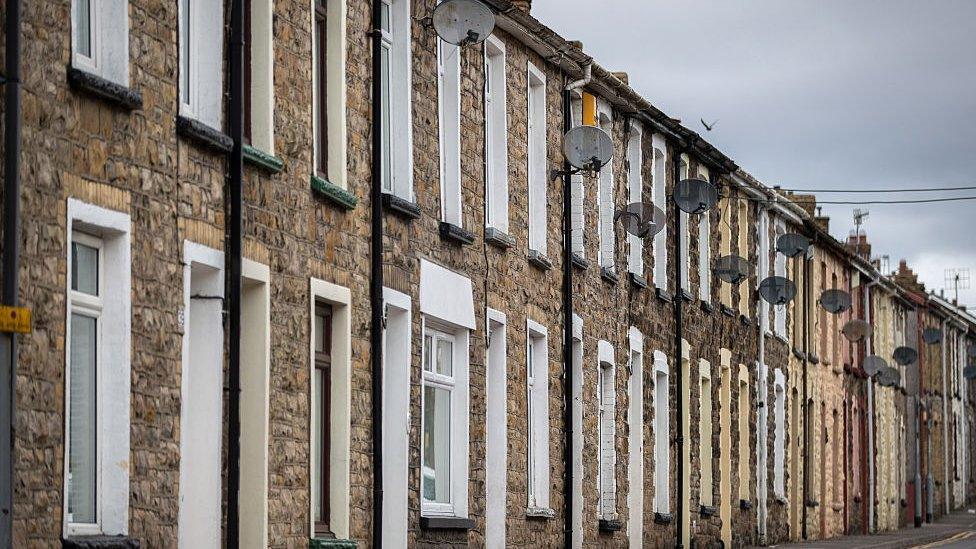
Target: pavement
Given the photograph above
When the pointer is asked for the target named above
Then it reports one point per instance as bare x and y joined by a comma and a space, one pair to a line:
954, 531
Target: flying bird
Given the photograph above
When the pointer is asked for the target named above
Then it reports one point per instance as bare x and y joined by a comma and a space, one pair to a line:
707, 125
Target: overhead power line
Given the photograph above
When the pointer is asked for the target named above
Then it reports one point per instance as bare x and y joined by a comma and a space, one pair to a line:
873, 202
917, 190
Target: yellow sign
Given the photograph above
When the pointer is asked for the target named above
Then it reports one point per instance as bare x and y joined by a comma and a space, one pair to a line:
15, 319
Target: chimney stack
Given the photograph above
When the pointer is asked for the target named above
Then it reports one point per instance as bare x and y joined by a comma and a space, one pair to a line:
524, 5
623, 77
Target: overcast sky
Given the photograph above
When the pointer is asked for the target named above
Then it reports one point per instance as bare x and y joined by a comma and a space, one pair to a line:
826, 94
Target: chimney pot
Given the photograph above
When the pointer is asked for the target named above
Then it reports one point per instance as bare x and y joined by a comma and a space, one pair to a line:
524, 5
623, 77
578, 44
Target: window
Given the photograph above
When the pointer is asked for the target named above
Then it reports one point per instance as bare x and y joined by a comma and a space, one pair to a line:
635, 451
685, 259
538, 160
397, 404
100, 38
496, 430
97, 372
496, 135
320, 53
329, 46
705, 432
449, 115
779, 438
322, 334
395, 114
763, 252
743, 225
537, 398
744, 465
259, 72
201, 61
661, 201
578, 189
607, 422
608, 243
438, 392
662, 435
635, 183
704, 249
255, 400
780, 270
725, 244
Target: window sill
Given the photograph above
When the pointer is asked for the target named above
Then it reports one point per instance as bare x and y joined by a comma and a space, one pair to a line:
453, 233
334, 193
99, 542
106, 90
262, 160
782, 338
331, 543
539, 513
203, 134
663, 518
684, 295
812, 503
539, 260
610, 525
707, 510
638, 281
608, 275
814, 359
499, 239
446, 523
745, 320
579, 262
799, 354
780, 500
745, 504
728, 311
401, 207
707, 307
663, 295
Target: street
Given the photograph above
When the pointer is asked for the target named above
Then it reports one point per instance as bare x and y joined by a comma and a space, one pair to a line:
955, 531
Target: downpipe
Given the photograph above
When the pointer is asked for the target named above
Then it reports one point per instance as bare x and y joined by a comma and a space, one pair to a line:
679, 358
761, 426
804, 407
945, 418
868, 350
568, 324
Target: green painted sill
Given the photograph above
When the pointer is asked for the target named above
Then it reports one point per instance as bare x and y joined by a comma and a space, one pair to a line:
263, 160
334, 193
326, 543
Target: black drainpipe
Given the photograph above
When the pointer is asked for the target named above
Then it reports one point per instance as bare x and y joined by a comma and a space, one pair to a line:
806, 412
678, 337
236, 116
376, 282
11, 262
568, 326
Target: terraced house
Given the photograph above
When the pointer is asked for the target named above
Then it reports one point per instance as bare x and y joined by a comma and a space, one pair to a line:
304, 274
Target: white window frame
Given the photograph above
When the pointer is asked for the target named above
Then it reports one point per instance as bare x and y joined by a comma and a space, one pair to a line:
449, 130
705, 407
537, 398
662, 435
764, 266
537, 148
262, 74
660, 199
606, 394
109, 232
109, 34
704, 248
684, 172
578, 189
779, 269
496, 429
203, 43
743, 407
605, 196
399, 180
397, 403
635, 184
335, 116
449, 383
779, 434
496, 135
635, 451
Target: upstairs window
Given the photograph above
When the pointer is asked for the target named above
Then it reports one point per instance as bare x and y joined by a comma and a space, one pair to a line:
780, 270
449, 115
661, 201
608, 242
704, 248
100, 38
635, 183
763, 253
684, 170
743, 224
538, 160
329, 45
259, 74
496, 135
578, 189
396, 165
201, 61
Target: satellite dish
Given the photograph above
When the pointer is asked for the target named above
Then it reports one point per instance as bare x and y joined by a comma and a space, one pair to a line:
777, 290
695, 196
969, 372
732, 269
856, 330
873, 364
587, 148
641, 219
932, 335
792, 245
905, 356
463, 22
835, 301
889, 377
972, 350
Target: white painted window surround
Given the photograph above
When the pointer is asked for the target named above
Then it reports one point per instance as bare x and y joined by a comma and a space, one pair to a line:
255, 402
578, 189
662, 435
262, 75
537, 396
705, 431
538, 160
396, 111
779, 438
449, 117
704, 248
660, 199
605, 196
683, 173
780, 270
496, 135
201, 397
635, 446
100, 38
607, 453
396, 417
109, 363
340, 299
447, 306
635, 187
201, 61
744, 427
335, 91
496, 430
577, 393
763, 252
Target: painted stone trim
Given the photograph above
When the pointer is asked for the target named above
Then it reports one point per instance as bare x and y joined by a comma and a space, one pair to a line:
94, 85
266, 161
334, 193
203, 134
